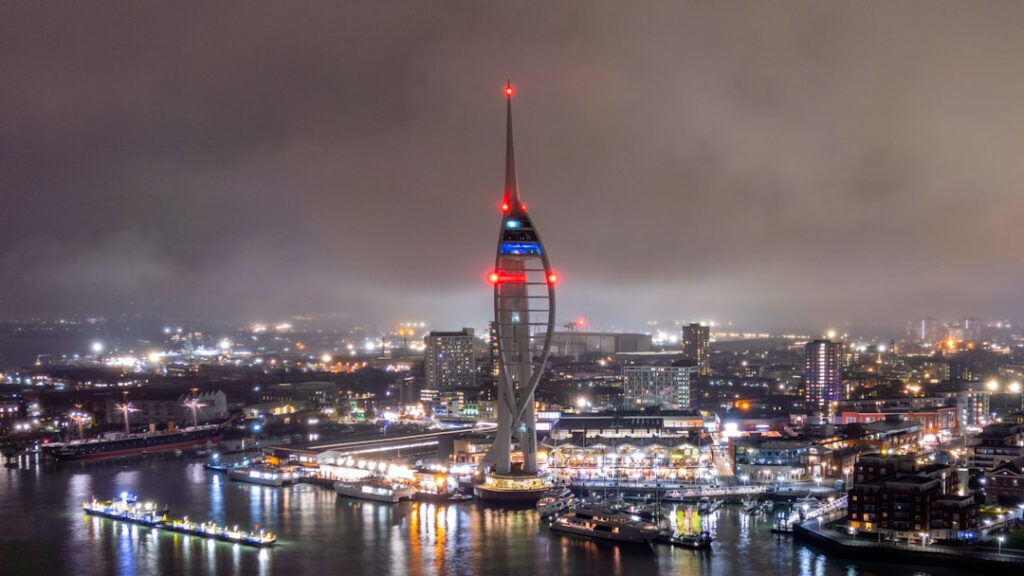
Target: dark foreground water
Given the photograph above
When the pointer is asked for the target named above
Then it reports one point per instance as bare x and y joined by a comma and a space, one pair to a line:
43, 531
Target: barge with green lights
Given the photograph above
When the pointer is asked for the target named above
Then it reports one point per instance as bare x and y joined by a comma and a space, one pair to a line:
148, 514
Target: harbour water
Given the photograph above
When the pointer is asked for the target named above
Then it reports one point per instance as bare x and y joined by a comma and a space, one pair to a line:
43, 531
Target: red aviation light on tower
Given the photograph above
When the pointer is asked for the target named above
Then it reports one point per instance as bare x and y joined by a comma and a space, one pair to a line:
503, 277
505, 207
553, 278
509, 90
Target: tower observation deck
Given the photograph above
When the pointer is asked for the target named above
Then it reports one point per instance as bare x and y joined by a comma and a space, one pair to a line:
524, 319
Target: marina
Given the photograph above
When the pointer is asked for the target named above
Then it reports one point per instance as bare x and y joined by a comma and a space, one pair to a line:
426, 537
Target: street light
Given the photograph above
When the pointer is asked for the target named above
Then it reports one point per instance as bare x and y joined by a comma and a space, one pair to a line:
1015, 387
1000, 540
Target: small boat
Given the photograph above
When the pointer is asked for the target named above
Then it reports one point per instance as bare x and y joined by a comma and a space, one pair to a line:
460, 496
598, 522
695, 541
750, 505
557, 492
649, 512
549, 506
265, 475
706, 505
673, 496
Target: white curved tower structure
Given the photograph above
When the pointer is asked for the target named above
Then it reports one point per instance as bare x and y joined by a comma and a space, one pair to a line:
524, 318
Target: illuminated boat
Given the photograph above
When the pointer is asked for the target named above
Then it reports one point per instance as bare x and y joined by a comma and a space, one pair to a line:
549, 506
687, 531
376, 489
706, 505
128, 510
265, 475
146, 514
260, 538
598, 522
697, 541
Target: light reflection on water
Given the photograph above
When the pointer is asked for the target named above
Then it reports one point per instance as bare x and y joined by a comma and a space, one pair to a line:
321, 533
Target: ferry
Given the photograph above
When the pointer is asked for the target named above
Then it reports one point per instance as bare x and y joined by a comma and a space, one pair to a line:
378, 490
147, 515
119, 444
598, 522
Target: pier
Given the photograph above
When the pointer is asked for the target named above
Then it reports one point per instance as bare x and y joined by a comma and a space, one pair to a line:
969, 557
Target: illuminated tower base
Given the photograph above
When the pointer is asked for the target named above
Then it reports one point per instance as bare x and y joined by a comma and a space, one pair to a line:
524, 319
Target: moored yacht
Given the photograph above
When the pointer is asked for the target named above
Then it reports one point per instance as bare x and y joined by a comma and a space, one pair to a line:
555, 502
376, 489
598, 522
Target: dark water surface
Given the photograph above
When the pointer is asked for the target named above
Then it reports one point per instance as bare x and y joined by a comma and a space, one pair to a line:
43, 531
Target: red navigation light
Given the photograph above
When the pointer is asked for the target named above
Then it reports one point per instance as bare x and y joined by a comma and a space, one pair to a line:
522, 206
509, 91
503, 277
581, 322
552, 278
504, 206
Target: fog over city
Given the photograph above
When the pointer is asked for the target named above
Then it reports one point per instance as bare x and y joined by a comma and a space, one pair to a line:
799, 164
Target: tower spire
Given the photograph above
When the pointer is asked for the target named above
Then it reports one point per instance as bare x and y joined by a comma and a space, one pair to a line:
511, 202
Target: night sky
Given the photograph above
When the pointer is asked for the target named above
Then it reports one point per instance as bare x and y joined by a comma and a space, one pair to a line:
777, 164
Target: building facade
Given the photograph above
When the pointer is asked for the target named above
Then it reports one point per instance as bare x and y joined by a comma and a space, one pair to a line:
666, 387
696, 347
450, 360
823, 378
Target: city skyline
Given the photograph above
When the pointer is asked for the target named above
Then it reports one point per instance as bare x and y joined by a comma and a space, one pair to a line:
803, 166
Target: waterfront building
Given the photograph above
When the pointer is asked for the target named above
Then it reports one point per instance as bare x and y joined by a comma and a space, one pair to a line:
524, 319
898, 497
877, 466
768, 460
449, 359
697, 347
630, 446
823, 378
